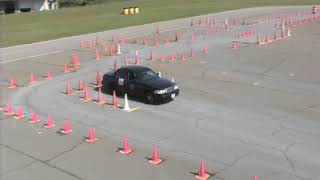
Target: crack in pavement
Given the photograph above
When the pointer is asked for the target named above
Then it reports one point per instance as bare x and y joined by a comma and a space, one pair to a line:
43, 162
234, 162
64, 152
18, 169
282, 151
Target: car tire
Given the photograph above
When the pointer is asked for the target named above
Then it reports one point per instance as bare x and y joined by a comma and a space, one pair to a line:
149, 98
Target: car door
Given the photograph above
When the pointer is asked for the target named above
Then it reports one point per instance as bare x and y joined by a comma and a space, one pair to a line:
130, 83
120, 77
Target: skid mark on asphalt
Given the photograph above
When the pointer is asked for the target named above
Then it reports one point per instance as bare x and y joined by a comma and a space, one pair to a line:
29, 57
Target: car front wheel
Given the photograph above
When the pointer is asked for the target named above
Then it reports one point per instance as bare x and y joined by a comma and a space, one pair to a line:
149, 98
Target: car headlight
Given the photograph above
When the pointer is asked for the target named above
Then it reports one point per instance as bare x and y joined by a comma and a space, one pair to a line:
176, 87
163, 91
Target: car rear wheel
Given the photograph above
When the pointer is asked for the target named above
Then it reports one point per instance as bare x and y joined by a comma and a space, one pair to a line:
149, 98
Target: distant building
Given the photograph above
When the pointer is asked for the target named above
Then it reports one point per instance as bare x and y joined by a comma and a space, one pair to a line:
13, 6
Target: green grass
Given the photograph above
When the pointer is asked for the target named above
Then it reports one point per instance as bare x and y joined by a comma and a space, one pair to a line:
39, 26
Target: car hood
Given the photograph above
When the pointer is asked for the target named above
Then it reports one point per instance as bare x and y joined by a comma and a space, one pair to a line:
158, 83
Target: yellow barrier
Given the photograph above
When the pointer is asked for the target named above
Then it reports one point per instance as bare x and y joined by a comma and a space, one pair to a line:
125, 11
136, 10
131, 10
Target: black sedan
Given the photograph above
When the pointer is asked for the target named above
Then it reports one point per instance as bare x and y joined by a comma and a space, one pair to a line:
141, 82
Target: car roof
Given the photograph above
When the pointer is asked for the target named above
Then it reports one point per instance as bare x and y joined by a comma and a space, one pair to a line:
136, 68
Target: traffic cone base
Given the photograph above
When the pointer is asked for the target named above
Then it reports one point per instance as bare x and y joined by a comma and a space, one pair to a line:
92, 136
12, 84
67, 128
86, 99
101, 102
19, 114
86, 96
8, 113
91, 140
66, 131
19, 117
204, 177
49, 126
126, 148
35, 121
126, 152
155, 162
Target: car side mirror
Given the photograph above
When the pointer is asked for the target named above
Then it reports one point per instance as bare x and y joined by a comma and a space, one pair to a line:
159, 74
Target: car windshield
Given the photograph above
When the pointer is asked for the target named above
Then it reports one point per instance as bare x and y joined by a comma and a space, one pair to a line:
146, 75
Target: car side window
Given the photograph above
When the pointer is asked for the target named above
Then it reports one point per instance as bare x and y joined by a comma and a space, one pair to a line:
131, 76
122, 74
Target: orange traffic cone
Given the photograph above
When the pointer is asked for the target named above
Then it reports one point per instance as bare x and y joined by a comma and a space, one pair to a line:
69, 89
156, 41
34, 118
145, 41
115, 66
19, 114
12, 84
90, 44
114, 99
267, 38
126, 147
176, 36
151, 56
49, 75
155, 157
193, 54
234, 45
193, 35
167, 41
75, 61
100, 97
67, 128
9, 110
97, 55
66, 68
255, 178
81, 44
259, 40
127, 61
163, 57
112, 38
98, 79
97, 40
202, 175
205, 50
183, 57
157, 29
137, 60
49, 124
87, 96
173, 57
33, 78
92, 136
80, 86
